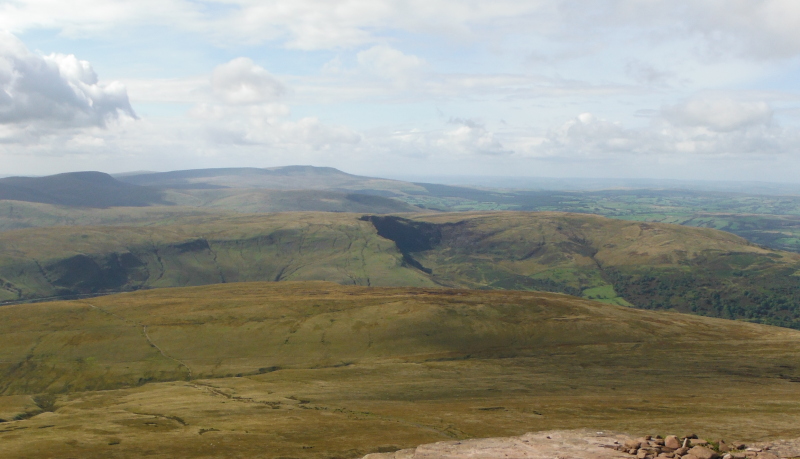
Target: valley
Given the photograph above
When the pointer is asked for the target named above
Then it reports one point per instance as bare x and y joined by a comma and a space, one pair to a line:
307, 313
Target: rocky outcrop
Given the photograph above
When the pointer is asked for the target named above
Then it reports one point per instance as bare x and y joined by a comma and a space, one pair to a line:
585, 444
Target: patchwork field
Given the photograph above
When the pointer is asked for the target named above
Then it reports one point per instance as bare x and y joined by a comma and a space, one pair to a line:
320, 370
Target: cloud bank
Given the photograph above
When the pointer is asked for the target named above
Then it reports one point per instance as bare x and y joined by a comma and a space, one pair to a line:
55, 91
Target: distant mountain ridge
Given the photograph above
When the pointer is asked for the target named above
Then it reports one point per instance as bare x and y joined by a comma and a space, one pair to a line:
291, 188
277, 178
79, 189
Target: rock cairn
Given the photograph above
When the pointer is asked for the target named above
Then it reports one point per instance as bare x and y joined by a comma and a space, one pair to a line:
589, 444
690, 447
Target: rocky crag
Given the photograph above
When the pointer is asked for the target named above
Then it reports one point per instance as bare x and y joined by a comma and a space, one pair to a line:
585, 444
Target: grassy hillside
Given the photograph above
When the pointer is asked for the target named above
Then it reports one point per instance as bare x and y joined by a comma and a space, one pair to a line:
320, 370
78, 189
770, 220
43, 262
194, 203
275, 178
263, 201
647, 265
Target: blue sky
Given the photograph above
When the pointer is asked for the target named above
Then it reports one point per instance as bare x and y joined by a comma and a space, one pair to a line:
539, 88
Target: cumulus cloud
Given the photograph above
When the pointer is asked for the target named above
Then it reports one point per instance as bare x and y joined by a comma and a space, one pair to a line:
241, 81
246, 110
54, 91
720, 114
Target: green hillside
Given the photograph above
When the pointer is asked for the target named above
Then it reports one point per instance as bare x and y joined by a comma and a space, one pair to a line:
193, 203
78, 189
274, 178
653, 266
318, 370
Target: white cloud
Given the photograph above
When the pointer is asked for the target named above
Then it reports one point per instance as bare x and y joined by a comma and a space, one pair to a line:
761, 29
54, 91
720, 114
241, 81
468, 138
698, 129
245, 111
390, 63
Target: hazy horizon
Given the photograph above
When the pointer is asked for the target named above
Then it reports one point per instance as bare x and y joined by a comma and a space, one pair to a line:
547, 88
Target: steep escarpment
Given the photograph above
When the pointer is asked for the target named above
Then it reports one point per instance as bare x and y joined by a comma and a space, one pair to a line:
651, 266
70, 261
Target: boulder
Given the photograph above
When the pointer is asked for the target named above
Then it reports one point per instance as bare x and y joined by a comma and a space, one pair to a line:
672, 442
701, 452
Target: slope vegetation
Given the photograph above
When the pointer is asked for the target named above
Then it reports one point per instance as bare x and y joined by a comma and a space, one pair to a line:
194, 203
654, 266
78, 189
321, 370
275, 178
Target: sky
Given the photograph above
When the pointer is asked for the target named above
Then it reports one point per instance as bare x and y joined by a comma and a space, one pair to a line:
707, 89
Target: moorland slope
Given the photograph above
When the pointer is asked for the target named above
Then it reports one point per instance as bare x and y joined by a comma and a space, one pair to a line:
78, 189
321, 370
275, 178
16, 214
648, 265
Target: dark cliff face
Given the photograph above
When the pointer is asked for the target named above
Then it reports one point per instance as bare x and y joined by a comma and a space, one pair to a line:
408, 235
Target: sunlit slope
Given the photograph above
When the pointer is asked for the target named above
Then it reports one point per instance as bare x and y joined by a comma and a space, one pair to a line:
320, 370
204, 250
252, 328
188, 203
654, 266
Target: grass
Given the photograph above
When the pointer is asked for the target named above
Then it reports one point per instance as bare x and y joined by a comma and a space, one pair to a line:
649, 265
317, 370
